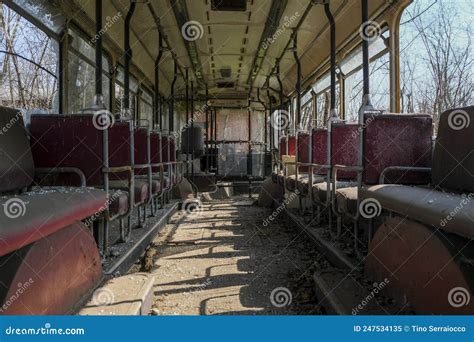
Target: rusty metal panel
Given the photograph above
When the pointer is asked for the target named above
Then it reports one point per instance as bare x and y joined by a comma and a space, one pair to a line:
54, 273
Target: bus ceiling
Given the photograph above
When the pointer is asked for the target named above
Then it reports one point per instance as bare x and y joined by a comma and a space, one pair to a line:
229, 50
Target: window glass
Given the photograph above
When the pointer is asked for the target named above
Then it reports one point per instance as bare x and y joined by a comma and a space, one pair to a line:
354, 60
119, 93
379, 88
146, 109
44, 11
28, 65
436, 57
322, 109
81, 72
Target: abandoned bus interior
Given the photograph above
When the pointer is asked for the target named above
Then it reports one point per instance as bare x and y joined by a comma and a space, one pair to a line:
218, 157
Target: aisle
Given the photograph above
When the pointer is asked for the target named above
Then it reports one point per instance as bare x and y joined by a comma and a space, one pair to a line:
222, 259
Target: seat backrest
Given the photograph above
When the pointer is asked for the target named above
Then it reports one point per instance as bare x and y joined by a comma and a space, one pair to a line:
303, 147
319, 140
17, 169
397, 140
282, 146
140, 146
453, 158
61, 140
164, 148
155, 143
345, 146
291, 145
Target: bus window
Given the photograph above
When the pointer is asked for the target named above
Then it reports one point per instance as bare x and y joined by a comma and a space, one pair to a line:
81, 89
119, 93
28, 64
436, 60
146, 108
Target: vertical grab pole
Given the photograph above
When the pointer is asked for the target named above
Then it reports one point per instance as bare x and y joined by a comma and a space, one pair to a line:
171, 121
211, 134
103, 237
99, 101
270, 115
298, 79
207, 130
128, 57
298, 100
265, 133
280, 85
171, 107
187, 120
215, 141
161, 104
332, 24
249, 162
157, 116
365, 58
192, 129
333, 115
366, 103
365, 107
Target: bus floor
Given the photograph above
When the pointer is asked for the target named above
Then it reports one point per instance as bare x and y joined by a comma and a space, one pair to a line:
222, 259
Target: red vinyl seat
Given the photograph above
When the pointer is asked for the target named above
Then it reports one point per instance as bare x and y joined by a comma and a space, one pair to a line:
44, 211
344, 151
446, 204
391, 140
74, 141
36, 214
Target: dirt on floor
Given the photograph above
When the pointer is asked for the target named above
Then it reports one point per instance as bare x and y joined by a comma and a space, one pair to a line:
223, 259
